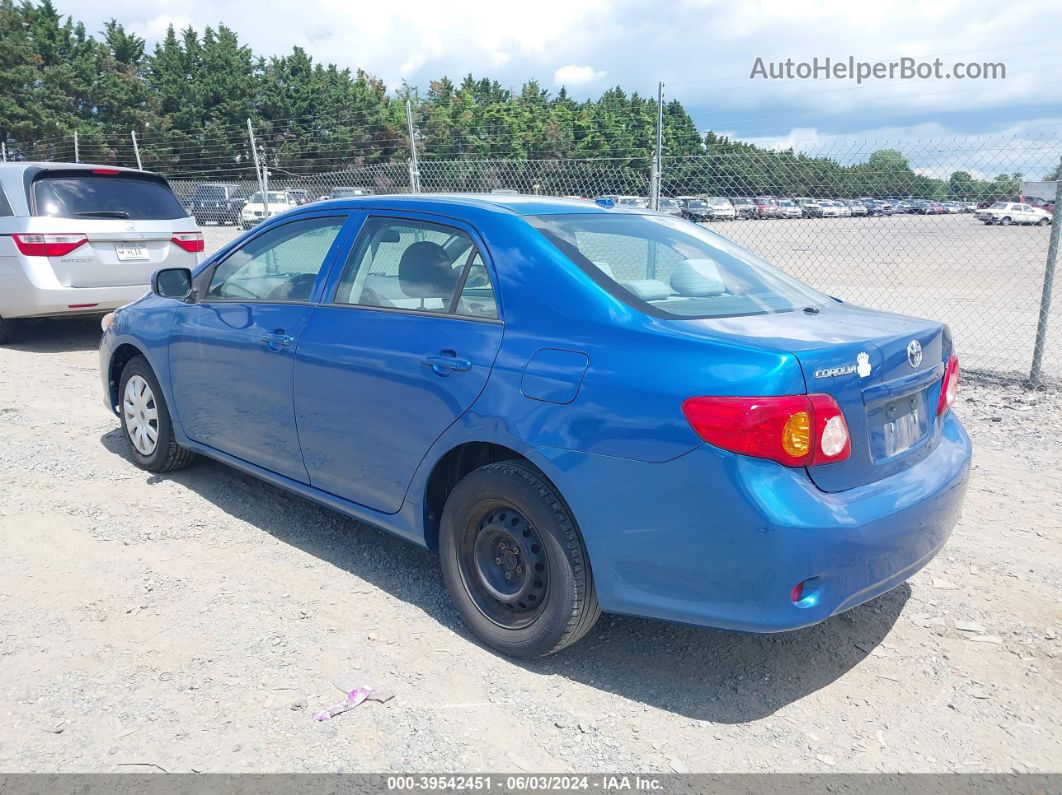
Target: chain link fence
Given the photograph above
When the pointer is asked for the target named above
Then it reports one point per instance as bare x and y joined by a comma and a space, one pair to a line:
898, 226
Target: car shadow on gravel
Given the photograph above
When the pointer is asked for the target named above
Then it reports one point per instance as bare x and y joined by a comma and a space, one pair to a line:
59, 335
722, 677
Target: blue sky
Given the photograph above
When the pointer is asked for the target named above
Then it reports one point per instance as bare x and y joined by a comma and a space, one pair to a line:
703, 50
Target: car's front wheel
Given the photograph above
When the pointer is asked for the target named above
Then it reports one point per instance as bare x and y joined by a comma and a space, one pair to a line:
146, 420
514, 561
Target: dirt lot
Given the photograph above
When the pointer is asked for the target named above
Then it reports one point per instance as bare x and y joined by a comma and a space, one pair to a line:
197, 621
985, 281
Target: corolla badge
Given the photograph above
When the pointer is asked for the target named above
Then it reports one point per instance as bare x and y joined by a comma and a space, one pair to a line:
914, 353
862, 366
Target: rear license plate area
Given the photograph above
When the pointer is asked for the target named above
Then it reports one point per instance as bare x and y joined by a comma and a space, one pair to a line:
130, 251
897, 425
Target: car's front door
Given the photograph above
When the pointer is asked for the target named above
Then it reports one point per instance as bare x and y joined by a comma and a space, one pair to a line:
232, 352
400, 348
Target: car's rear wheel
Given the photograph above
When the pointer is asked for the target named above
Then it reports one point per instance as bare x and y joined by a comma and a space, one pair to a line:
8, 330
1006, 220
146, 420
514, 561
1043, 222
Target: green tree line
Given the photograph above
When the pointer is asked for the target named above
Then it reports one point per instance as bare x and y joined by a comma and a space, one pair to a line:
188, 99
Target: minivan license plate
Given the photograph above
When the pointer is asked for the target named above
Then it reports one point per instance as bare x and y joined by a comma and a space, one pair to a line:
130, 251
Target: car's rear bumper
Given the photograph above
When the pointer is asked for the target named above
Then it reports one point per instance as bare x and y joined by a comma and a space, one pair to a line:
19, 298
720, 540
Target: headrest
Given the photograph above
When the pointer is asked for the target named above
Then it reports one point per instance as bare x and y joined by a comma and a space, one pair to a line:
424, 271
647, 289
697, 277
604, 267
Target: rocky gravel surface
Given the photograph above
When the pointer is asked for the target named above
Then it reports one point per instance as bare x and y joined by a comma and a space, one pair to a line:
197, 621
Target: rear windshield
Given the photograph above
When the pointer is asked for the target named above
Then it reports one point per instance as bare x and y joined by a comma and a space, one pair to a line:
83, 194
668, 266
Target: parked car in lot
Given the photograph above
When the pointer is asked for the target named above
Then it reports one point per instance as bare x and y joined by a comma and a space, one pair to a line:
624, 201
767, 207
255, 211
921, 207
82, 239
697, 210
722, 209
877, 207
788, 208
300, 196
951, 208
809, 208
745, 208
508, 381
856, 207
834, 209
1007, 213
670, 206
217, 203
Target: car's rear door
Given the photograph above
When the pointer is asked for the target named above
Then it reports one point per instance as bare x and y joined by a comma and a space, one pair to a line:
400, 348
232, 352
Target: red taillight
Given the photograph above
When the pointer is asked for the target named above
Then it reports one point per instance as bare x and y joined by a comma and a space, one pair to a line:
189, 241
106, 172
949, 387
48, 245
794, 430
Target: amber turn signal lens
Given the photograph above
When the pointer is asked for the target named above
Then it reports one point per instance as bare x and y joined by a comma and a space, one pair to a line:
796, 435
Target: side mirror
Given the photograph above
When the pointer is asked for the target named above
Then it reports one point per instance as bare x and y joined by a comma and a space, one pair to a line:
172, 283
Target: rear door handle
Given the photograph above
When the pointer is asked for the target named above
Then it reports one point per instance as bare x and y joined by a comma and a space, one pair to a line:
446, 362
275, 339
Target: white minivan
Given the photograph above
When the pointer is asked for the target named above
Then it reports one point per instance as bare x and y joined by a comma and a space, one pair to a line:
83, 239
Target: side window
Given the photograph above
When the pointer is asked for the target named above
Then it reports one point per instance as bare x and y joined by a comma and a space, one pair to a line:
5, 205
415, 265
280, 265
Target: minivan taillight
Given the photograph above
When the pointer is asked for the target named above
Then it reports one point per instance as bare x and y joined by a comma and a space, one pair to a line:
949, 387
36, 245
189, 241
794, 430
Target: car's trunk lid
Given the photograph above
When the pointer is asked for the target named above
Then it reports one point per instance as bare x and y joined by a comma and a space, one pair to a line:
884, 370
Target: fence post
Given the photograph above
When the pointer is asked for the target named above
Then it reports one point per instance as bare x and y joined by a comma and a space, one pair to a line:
136, 150
655, 174
1036, 372
3, 149
414, 168
77, 149
257, 168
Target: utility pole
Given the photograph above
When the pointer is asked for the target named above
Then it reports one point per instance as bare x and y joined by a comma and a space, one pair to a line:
136, 150
3, 149
77, 149
257, 168
1036, 372
414, 168
657, 169
265, 186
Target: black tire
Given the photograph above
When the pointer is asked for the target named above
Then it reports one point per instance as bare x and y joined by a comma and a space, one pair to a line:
8, 330
1043, 222
167, 455
553, 603
1005, 220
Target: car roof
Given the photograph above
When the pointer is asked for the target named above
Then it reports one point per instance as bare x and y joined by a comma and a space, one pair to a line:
490, 202
22, 165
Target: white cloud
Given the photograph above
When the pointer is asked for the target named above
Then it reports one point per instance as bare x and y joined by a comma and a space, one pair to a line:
703, 50
573, 75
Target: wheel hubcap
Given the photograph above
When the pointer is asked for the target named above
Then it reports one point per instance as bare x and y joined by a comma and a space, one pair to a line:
504, 566
141, 415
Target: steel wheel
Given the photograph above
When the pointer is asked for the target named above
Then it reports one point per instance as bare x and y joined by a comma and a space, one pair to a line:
141, 415
504, 567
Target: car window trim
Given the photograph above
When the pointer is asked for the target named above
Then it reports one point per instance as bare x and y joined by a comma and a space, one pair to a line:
203, 279
478, 244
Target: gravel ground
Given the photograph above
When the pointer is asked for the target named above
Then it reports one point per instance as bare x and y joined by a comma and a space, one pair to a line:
196, 622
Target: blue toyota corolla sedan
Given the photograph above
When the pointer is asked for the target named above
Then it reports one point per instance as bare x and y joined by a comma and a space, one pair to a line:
583, 409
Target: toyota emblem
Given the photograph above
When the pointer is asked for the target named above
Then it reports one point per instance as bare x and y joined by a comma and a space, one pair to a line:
914, 353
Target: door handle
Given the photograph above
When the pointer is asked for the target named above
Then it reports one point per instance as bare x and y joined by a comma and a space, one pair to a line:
446, 362
277, 338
